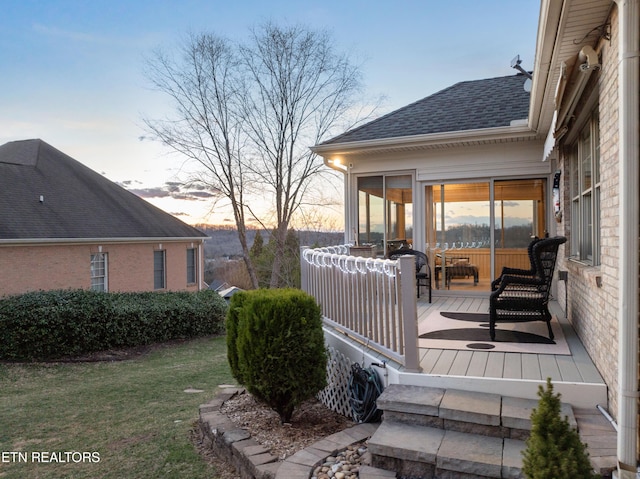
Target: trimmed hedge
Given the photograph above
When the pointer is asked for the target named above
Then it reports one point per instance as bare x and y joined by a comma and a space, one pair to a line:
47, 325
233, 317
276, 347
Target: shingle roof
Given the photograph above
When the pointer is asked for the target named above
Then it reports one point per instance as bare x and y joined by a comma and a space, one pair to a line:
76, 201
467, 105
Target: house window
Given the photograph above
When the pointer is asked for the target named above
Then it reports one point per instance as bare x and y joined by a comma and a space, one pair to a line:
99, 272
159, 274
385, 211
585, 194
191, 265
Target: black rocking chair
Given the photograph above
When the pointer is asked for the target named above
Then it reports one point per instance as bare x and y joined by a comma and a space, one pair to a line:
506, 270
423, 278
526, 298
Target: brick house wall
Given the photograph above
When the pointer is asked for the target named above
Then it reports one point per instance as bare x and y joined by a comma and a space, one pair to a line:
593, 290
67, 266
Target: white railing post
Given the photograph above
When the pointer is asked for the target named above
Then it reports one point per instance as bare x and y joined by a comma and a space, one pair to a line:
304, 271
409, 312
373, 300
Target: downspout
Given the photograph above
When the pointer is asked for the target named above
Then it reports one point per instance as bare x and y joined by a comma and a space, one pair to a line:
629, 155
201, 266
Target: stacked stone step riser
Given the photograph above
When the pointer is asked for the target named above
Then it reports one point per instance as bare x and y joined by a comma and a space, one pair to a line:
453, 425
429, 453
448, 434
477, 413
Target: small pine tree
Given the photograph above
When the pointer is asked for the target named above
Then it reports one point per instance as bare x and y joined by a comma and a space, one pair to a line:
256, 248
554, 449
291, 265
276, 347
262, 257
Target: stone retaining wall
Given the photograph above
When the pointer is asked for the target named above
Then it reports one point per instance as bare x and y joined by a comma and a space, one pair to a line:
252, 460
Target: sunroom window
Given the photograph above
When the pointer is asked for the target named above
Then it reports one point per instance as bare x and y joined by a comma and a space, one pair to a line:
385, 212
585, 194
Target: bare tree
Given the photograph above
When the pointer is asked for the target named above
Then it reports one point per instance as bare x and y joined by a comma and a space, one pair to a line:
247, 115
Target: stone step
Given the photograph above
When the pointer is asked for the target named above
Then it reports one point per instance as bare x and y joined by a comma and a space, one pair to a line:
448, 432
370, 472
463, 411
428, 452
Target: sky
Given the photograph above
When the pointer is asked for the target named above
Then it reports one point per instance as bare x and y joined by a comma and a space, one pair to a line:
72, 72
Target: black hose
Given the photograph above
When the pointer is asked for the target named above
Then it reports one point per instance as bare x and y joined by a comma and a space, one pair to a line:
365, 387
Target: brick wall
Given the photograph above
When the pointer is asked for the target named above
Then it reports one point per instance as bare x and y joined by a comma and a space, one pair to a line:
592, 308
130, 266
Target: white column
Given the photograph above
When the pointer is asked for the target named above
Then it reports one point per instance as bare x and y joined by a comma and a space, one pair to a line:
629, 156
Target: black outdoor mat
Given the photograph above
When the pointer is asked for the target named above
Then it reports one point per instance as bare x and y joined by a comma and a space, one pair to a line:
480, 335
470, 331
474, 317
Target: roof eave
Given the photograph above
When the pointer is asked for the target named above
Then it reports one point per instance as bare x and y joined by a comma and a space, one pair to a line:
562, 23
74, 241
542, 88
449, 138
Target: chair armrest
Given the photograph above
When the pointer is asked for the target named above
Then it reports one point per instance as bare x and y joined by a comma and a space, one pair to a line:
512, 280
515, 271
506, 270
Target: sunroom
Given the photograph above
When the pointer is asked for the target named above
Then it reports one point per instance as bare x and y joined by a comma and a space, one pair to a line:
457, 175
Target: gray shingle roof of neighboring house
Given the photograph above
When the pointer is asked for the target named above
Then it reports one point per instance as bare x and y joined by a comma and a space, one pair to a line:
468, 105
76, 201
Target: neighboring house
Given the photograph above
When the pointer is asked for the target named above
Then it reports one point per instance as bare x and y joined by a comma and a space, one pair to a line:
218, 285
228, 292
494, 150
63, 226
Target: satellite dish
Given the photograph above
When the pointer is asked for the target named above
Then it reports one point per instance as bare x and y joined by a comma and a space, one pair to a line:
527, 85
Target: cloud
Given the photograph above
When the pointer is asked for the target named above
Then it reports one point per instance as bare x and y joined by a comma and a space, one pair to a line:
157, 192
170, 189
180, 213
200, 194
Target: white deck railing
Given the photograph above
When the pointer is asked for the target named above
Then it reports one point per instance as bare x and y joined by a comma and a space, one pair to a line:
371, 300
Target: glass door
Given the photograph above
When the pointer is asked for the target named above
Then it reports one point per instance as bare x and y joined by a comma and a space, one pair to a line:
519, 207
459, 234
466, 232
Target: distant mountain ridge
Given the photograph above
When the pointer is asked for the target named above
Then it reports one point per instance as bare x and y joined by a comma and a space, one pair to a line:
223, 241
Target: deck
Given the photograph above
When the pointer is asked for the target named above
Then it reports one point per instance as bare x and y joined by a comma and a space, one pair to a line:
574, 376
576, 368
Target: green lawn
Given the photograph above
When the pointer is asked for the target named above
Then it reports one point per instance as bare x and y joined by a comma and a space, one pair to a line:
132, 415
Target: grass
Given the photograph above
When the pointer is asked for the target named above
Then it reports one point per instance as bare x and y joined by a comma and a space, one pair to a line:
133, 415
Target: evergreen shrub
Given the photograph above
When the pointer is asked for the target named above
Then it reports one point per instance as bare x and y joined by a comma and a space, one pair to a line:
47, 325
554, 449
279, 343
233, 316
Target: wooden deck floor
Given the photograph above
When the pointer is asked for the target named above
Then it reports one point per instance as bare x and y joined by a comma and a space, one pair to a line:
574, 376
575, 368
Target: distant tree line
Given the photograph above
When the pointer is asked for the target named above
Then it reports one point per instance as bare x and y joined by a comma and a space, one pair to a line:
517, 236
224, 261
